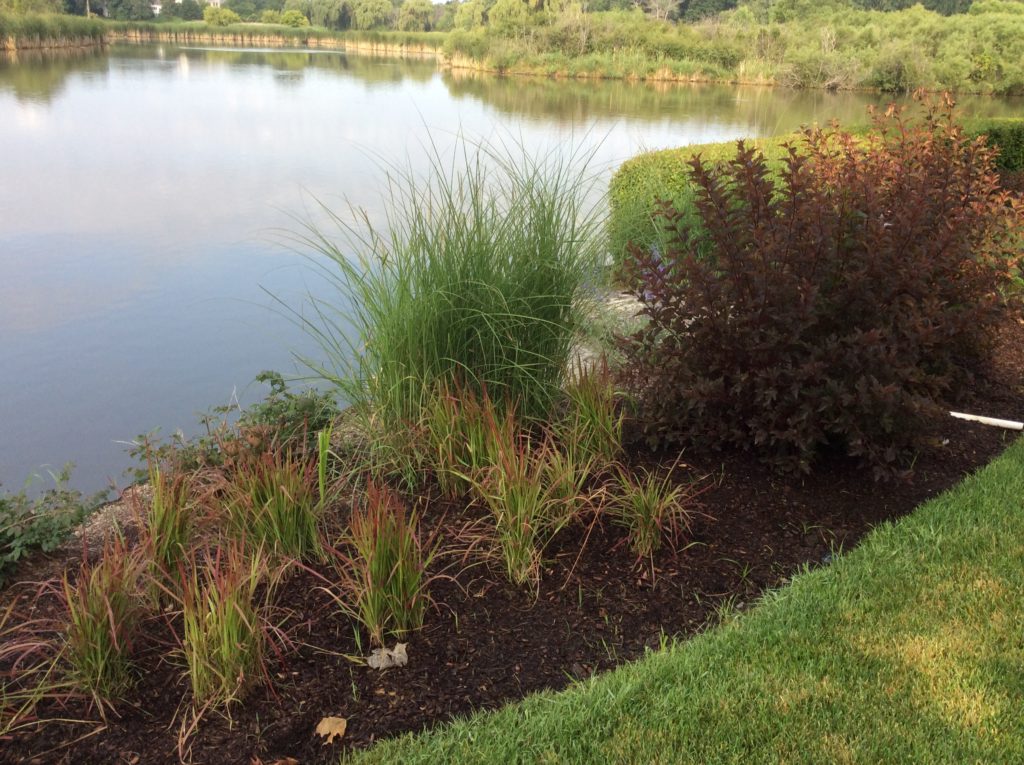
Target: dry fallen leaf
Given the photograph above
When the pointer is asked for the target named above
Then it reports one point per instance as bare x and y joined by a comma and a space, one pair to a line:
385, 658
331, 727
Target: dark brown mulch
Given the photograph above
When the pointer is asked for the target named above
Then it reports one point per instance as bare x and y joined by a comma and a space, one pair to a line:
488, 643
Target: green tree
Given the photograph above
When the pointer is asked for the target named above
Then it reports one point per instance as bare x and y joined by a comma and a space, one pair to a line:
508, 16
246, 9
470, 15
415, 15
219, 17
371, 14
32, 6
291, 18
444, 16
325, 13
270, 16
190, 10
694, 10
129, 10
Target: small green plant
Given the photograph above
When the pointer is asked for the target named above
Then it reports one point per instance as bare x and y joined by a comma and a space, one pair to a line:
224, 631
42, 523
293, 418
323, 465
442, 427
594, 422
167, 524
283, 419
30, 670
566, 472
273, 501
382, 575
457, 432
651, 508
527, 509
104, 608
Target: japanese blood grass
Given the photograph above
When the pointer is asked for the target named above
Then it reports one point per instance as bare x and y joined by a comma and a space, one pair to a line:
381, 566
103, 607
456, 435
651, 507
30, 668
475, 278
224, 632
528, 504
274, 502
593, 423
167, 525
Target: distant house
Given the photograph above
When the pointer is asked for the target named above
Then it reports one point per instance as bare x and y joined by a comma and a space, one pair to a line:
158, 5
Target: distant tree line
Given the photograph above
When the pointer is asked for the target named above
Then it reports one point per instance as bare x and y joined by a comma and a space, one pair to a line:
501, 16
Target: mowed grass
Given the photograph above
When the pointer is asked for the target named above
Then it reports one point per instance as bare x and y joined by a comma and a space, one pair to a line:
909, 648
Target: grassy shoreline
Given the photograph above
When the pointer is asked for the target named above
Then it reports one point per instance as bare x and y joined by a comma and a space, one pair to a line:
886, 56
34, 32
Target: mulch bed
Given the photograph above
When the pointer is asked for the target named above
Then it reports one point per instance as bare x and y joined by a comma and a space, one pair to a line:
488, 643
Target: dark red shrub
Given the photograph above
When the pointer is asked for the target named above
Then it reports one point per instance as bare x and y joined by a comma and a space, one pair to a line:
1012, 181
835, 303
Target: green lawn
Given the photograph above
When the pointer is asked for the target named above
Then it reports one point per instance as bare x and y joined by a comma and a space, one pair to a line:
908, 649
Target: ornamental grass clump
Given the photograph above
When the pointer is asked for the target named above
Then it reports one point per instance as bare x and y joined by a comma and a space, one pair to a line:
651, 508
473, 282
456, 434
834, 305
167, 525
382, 567
103, 607
593, 424
273, 501
528, 502
224, 630
30, 669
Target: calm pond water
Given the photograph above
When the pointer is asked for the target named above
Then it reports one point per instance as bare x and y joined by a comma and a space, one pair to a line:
142, 188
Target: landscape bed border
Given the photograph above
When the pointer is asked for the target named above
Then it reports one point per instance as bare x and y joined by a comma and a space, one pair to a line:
840, 661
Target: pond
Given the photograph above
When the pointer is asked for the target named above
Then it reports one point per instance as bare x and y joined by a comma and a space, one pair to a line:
147, 194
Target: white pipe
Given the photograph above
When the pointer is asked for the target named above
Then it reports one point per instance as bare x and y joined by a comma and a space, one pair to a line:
1011, 424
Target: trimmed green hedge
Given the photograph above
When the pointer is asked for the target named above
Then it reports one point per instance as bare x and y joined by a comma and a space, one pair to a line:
640, 182
1006, 133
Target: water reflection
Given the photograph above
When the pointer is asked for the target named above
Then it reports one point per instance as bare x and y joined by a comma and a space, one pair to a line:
39, 76
761, 110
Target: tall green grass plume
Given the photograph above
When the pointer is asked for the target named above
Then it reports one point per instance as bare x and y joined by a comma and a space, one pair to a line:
475, 278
